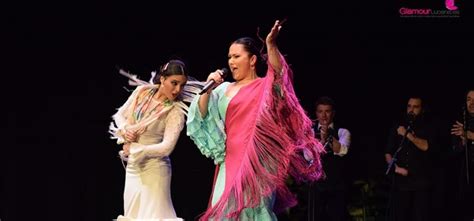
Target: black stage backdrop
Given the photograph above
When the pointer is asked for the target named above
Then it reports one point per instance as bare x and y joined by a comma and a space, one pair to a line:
60, 86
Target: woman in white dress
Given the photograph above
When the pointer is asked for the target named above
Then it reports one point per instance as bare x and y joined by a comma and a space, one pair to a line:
148, 125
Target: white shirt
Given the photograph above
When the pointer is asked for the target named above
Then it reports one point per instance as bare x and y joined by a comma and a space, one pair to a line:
344, 139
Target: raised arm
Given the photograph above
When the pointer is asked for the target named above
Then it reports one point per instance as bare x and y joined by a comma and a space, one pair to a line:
272, 48
420, 143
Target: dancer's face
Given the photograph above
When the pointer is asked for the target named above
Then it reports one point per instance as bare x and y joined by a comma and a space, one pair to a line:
172, 86
241, 63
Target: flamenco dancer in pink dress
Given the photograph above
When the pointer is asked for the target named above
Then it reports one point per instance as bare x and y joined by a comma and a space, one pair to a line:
256, 132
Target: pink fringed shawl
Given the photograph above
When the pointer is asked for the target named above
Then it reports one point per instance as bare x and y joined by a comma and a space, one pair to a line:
267, 133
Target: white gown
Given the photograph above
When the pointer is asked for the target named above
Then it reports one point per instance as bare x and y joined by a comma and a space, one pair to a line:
148, 172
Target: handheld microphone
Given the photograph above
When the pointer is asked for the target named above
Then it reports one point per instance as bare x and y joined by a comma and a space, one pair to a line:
410, 118
210, 84
328, 144
464, 118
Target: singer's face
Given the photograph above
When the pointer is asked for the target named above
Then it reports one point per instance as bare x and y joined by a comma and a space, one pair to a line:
414, 106
172, 86
324, 114
241, 63
470, 102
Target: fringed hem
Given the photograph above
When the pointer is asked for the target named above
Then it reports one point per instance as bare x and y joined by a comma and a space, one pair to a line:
298, 126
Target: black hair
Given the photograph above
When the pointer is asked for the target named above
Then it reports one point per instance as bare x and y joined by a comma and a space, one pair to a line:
325, 100
250, 46
172, 67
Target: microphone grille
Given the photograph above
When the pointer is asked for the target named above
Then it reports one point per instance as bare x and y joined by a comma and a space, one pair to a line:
225, 72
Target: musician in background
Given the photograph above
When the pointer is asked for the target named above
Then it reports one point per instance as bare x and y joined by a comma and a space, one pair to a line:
329, 199
411, 146
463, 146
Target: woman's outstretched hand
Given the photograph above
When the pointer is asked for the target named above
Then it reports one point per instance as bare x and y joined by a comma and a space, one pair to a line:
272, 36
